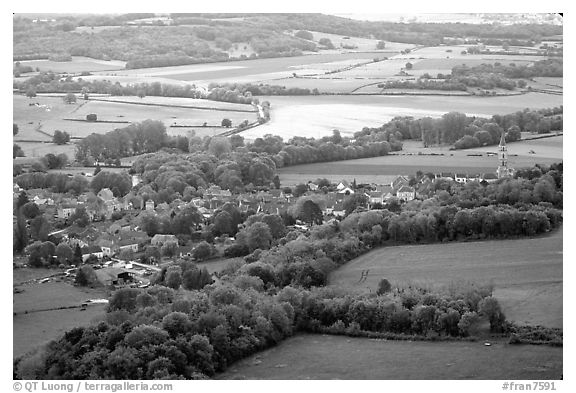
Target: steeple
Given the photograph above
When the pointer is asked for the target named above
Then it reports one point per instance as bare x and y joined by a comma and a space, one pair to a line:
503, 170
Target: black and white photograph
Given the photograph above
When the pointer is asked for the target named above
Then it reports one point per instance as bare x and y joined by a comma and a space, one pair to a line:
358, 194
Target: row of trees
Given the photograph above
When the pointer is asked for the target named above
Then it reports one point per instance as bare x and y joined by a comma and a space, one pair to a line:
119, 183
465, 131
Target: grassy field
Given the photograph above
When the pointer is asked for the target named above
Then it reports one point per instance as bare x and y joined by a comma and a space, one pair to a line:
526, 273
77, 65
33, 327
338, 357
318, 115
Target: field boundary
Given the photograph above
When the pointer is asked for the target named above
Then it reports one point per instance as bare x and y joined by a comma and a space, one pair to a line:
177, 106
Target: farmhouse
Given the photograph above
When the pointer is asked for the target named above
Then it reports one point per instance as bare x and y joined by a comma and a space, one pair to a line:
160, 240
406, 193
92, 250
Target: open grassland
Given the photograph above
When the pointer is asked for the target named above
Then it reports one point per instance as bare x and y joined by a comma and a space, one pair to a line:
32, 325
360, 44
320, 115
77, 65
526, 273
338, 357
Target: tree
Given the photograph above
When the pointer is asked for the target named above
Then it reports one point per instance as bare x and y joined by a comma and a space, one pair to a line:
409, 66
20, 235
64, 253
169, 249
223, 223
80, 217
490, 308
384, 286
381, 45
202, 251
173, 277
70, 98
326, 43
60, 138
219, 146
77, 258
226, 123
305, 35
91, 117
30, 210
86, 276
15, 129
39, 228
31, 92
300, 189
17, 151
258, 236
276, 225
354, 201
310, 213
513, 134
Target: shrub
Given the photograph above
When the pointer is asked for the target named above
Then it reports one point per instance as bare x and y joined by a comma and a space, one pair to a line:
384, 286
91, 117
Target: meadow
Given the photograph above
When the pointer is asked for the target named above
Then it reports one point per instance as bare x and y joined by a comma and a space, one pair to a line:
310, 356
33, 326
526, 273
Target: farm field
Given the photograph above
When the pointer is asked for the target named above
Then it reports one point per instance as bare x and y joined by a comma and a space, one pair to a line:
326, 357
35, 328
49, 116
238, 69
526, 273
382, 170
317, 116
77, 65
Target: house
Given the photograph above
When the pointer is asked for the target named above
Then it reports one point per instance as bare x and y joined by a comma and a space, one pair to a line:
106, 194
160, 240
343, 184
91, 250
461, 177
65, 211
489, 177
346, 191
184, 251
445, 176
406, 193
399, 182
339, 210
149, 206
128, 245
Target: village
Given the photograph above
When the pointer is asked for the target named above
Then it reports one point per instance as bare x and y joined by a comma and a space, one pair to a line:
111, 239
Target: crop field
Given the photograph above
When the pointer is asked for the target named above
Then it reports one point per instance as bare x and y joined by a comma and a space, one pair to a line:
316, 116
526, 273
180, 101
33, 327
77, 65
379, 170
327, 357
238, 69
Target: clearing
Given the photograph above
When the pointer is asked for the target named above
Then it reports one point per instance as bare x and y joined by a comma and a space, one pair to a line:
310, 356
526, 273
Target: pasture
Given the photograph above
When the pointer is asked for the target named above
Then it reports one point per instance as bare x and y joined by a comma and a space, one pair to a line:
327, 357
77, 65
37, 122
33, 326
526, 273
317, 116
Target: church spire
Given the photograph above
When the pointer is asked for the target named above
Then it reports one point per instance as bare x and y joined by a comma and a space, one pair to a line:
503, 170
